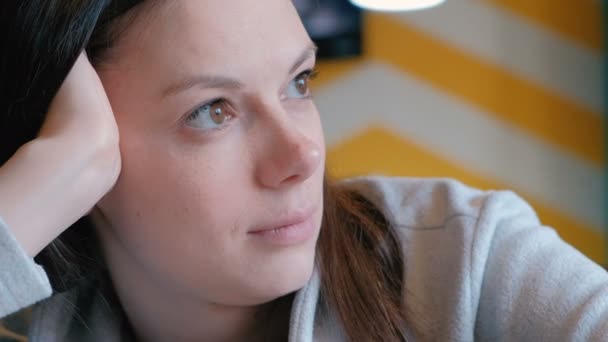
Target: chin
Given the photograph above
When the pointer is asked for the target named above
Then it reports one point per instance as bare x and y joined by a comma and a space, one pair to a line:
286, 275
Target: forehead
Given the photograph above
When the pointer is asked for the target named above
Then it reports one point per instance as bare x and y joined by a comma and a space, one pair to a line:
182, 35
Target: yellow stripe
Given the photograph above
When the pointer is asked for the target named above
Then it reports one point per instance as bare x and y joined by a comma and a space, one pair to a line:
496, 91
579, 20
378, 151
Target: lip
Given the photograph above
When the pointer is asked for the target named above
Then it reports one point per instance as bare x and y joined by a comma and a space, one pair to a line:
289, 230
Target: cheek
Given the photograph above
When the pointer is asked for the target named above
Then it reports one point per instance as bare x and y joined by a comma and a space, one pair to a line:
172, 196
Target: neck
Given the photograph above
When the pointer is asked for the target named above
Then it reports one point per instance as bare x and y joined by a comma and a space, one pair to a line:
268, 322
159, 313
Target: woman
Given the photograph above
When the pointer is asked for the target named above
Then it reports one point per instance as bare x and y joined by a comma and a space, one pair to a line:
210, 219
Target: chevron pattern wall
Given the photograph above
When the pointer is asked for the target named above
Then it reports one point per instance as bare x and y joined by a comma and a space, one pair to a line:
501, 94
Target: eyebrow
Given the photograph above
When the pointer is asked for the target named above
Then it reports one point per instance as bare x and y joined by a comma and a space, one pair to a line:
211, 81
309, 52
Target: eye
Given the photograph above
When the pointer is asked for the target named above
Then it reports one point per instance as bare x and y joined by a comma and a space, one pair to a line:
212, 115
299, 86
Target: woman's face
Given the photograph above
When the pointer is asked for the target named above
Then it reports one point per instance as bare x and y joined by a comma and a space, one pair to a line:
221, 143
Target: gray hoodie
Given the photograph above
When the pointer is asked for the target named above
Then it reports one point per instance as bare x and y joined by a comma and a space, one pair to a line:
478, 266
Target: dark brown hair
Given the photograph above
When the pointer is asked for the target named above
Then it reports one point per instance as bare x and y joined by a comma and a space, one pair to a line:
358, 253
362, 267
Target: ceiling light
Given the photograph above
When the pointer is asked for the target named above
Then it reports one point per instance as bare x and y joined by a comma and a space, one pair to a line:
395, 5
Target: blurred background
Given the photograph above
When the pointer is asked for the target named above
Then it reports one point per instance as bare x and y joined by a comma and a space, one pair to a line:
500, 94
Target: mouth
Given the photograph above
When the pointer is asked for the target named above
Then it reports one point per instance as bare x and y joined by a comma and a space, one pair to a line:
292, 229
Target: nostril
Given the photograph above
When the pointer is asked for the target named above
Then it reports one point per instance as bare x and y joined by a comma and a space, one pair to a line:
291, 179
296, 163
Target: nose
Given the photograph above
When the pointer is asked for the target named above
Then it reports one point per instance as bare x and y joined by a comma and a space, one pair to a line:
290, 153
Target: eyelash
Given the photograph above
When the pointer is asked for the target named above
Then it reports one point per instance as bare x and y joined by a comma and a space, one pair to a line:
310, 75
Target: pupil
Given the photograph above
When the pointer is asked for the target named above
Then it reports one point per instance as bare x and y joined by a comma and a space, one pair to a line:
217, 113
301, 85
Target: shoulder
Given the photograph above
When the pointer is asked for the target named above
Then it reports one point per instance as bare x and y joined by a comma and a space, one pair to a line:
431, 203
453, 237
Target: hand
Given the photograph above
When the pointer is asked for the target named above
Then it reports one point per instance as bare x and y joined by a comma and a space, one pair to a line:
80, 112
58, 177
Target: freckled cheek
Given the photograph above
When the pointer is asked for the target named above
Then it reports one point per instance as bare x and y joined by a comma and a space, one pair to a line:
199, 202
189, 215
168, 182
187, 193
